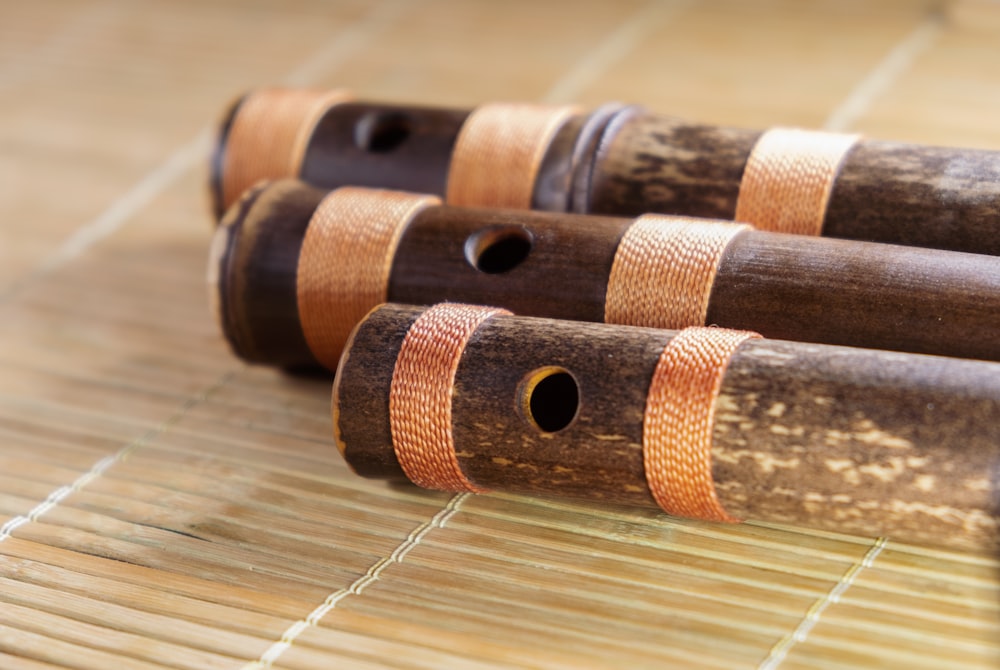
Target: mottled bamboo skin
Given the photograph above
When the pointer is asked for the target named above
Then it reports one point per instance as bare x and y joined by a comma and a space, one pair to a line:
834, 438
783, 286
944, 198
625, 161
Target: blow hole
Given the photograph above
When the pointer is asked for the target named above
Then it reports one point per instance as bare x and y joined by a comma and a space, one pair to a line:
498, 249
550, 399
382, 132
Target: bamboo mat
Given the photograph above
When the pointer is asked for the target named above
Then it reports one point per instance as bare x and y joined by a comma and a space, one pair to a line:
165, 506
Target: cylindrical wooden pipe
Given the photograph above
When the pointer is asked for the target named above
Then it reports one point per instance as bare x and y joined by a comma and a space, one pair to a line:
567, 265
843, 439
623, 160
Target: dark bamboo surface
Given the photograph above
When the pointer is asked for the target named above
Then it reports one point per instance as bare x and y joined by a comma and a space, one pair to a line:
945, 198
836, 438
557, 265
625, 161
164, 505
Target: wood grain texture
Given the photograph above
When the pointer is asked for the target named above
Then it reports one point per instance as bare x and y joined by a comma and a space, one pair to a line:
937, 197
933, 197
783, 286
627, 161
832, 438
649, 163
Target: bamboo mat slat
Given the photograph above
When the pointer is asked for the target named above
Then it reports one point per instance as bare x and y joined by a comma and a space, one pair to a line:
163, 505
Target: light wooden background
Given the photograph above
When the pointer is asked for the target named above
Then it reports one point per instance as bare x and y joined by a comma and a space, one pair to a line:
163, 505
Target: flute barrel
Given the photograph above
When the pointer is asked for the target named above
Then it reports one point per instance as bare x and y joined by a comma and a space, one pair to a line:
619, 160
280, 268
835, 438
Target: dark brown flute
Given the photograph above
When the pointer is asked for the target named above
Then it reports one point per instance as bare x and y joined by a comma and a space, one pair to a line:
616, 160
835, 438
564, 266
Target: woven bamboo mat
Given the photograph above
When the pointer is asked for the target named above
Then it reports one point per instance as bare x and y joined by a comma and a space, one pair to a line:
163, 505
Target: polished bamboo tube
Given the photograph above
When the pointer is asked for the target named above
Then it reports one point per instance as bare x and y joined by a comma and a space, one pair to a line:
561, 265
624, 160
836, 438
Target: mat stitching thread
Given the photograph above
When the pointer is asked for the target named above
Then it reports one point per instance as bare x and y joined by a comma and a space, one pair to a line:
102, 466
357, 587
780, 650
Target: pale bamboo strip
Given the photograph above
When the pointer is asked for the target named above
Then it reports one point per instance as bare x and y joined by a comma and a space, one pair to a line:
972, 607
322, 661
171, 554
692, 574
156, 596
175, 584
63, 654
83, 337
318, 507
150, 371
10, 662
418, 634
137, 374
972, 589
511, 601
604, 647
134, 642
316, 649
225, 522
46, 450
660, 533
359, 585
649, 609
808, 655
49, 394
977, 571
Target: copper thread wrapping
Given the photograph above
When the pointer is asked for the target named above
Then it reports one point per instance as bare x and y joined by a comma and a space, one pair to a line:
788, 179
498, 154
269, 135
663, 271
420, 395
345, 262
679, 417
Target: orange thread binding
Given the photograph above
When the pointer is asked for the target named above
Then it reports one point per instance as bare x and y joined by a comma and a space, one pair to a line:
498, 153
788, 179
269, 135
678, 421
420, 395
663, 271
345, 262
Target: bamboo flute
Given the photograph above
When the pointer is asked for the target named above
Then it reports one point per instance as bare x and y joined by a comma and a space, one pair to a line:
278, 304
617, 160
835, 438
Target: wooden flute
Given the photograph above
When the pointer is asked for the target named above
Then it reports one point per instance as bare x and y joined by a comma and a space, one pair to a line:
617, 160
294, 268
706, 422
